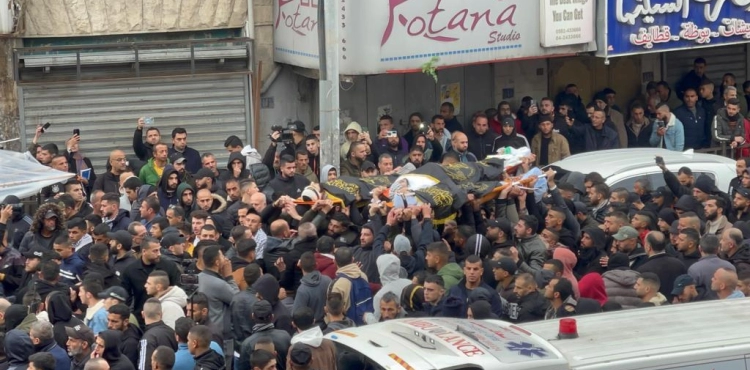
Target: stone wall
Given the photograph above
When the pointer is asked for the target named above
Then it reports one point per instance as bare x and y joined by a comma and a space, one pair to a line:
50, 18
263, 23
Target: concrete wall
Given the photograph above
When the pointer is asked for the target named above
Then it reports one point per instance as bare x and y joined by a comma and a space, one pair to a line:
263, 24
293, 99
527, 77
50, 18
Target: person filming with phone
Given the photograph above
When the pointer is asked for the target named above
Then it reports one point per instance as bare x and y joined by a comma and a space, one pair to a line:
668, 131
78, 163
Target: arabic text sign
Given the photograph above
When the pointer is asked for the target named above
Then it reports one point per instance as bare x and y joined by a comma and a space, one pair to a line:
655, 25
567, 22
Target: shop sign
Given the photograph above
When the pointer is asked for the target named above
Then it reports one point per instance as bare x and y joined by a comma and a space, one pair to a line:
393, 35
637, 26
567, 22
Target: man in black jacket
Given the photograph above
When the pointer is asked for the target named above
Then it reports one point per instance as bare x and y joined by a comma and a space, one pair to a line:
107, 347
135, 276
306, 241
156, 333
289, 183
144, 150
666, 267
531, 305
199, 341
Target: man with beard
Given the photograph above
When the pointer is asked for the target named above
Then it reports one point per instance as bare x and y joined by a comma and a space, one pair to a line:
687, 245
177, 160
599, 198
134, 278
112, 214
120, 319
97, 263
289, 183
208, 160
416, 156
626, 241
597, 135
733, 249
481, 138
179, 145
728, 125
166, 193
204, 179
500, 234
740, 206
80, 340
460, 146
638, 127
302, 160
82, 207
110, 181
716, 222
547, 145
48, 224
144, 150
120, 243
740, 168
12, 268
352, 166
153, 169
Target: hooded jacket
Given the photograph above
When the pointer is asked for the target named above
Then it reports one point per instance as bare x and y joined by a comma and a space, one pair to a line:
130, 346
325, 264
327, 168
12, 265
18, 348
323, 350
312, 293
741, 259
569, 261
173, 304
155, 334
268, 288
18, 224
230, 172
389, 267
588, 258
33, 237
592, 287
108, 273
112, 353
451, 274
344, 286
291, 278
514, 140
345, 147
619, 285
61, 315
62, 361
210, 360
367, 255
167, 198
187, 207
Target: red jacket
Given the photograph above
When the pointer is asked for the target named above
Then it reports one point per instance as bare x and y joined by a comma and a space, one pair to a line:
744, 152
326, 265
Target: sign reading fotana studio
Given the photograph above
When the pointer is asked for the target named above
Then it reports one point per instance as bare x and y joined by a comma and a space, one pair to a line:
381, 36
635, 26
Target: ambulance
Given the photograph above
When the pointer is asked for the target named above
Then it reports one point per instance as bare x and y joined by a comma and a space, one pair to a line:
697, 336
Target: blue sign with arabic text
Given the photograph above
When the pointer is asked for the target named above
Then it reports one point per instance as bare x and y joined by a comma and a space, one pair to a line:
638, 26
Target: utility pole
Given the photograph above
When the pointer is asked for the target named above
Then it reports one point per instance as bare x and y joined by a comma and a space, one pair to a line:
328, 86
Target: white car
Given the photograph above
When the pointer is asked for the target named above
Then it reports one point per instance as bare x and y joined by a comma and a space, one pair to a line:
622, 167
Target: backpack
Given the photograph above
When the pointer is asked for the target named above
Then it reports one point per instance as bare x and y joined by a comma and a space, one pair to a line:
360, 298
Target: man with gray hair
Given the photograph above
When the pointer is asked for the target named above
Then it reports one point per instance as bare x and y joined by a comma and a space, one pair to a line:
703, 270
734, 250
724, 284
42, 337
96, 363
156, 333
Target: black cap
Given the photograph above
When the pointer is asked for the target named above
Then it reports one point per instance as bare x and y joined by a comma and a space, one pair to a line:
508, 121
297, 126
41, 253
117, 292
661, 192
171, 239
744, 192
505, 263
203, 173
501, 223
80, 332
176, 157
262, 309
50, 214
123, 237
367, 165
301, 355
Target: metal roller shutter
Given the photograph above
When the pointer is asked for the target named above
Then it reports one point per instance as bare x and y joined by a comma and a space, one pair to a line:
721, 60
210, 108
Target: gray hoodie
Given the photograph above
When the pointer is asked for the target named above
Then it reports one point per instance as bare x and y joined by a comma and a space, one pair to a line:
173, 304
312, 293
389, 267
620, 287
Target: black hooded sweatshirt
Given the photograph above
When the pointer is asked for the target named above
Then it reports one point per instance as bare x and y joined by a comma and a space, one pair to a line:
230, 172
18, 348
108, 273
112, 351
166, 197
60, 316
588, 258
268, 288
130, 344
209, 360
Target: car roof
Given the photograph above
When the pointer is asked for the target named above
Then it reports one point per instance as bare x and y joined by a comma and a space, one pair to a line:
610, 162
444, 343
666, 333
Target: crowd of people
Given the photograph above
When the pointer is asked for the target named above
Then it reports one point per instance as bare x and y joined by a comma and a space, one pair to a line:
164, 260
